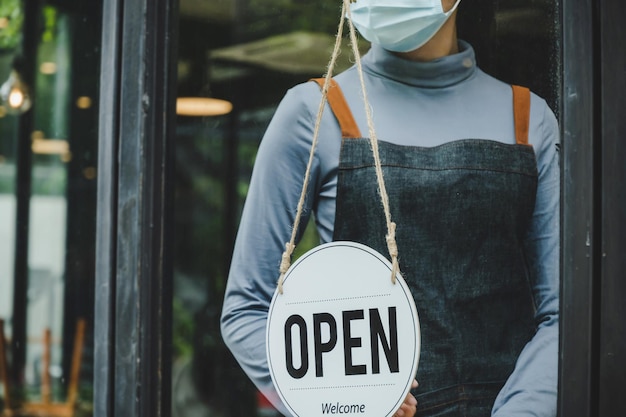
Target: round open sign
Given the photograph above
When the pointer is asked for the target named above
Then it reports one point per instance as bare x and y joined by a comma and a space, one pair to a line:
342, 339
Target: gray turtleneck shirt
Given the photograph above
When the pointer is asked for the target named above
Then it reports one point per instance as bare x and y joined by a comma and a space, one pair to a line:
417, 104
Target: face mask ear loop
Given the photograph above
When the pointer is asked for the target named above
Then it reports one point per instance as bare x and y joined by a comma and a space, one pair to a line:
451, 11
290, 246
391, 226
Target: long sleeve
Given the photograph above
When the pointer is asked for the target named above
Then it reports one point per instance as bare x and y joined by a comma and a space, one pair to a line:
265, 227
531, 389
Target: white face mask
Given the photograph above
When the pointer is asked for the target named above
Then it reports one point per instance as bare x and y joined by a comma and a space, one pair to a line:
399, 25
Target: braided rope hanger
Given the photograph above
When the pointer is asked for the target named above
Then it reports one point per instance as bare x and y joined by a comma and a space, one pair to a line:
392, 246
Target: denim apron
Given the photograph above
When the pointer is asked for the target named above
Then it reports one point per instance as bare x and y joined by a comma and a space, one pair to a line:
462, 210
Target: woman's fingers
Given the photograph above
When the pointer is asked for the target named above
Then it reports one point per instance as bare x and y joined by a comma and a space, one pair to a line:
409, 406
406, 409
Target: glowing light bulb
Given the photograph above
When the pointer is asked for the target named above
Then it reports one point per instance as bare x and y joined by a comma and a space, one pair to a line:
14, 93
202, 106
16, 98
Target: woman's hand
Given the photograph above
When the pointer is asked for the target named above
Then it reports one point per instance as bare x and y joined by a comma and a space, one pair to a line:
409, 406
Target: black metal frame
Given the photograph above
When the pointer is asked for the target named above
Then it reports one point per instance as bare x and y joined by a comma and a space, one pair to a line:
104, 323
579, 260
594, 219
23, 194
612, 288
133, 277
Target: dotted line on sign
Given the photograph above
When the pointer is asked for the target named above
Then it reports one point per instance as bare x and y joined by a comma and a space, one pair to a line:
338, 299
343, 386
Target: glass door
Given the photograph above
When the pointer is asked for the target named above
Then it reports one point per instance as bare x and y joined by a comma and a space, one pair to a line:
49, 66
237, 58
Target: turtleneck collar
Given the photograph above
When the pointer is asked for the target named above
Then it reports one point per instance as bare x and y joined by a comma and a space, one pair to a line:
441, 72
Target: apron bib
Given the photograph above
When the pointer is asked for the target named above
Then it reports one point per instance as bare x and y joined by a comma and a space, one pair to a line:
462, 209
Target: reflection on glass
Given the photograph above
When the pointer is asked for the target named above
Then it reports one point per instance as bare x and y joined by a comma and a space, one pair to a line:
202, 106
249, 53
11, 18
54, 143
15, 94
7, 213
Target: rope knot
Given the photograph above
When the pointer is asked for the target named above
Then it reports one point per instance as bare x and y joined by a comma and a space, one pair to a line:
285, 263
392, 246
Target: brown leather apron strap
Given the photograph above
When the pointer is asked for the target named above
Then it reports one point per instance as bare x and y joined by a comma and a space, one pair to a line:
349, 128
340, 108
521, 111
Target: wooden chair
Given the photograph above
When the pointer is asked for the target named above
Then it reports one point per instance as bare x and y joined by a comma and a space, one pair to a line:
4, 372
45, 407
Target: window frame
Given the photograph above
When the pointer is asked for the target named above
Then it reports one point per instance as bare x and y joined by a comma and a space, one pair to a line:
132, 369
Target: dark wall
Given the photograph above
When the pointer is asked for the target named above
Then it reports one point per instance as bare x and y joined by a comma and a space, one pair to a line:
517, 41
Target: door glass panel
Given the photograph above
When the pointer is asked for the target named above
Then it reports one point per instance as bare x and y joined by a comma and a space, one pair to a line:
516, 41
48, 154
246, 54
7, 208
214, 158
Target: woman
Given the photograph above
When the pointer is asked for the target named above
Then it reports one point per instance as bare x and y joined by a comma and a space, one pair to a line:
474, 193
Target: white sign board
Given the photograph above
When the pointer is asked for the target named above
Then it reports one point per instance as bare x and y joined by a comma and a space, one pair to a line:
342, 339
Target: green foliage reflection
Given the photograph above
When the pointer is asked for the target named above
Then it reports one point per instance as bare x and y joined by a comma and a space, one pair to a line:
11, 19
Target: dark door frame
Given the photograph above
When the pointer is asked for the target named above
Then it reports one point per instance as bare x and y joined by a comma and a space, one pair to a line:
612, 308
133, 269
23, 189
593, 311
